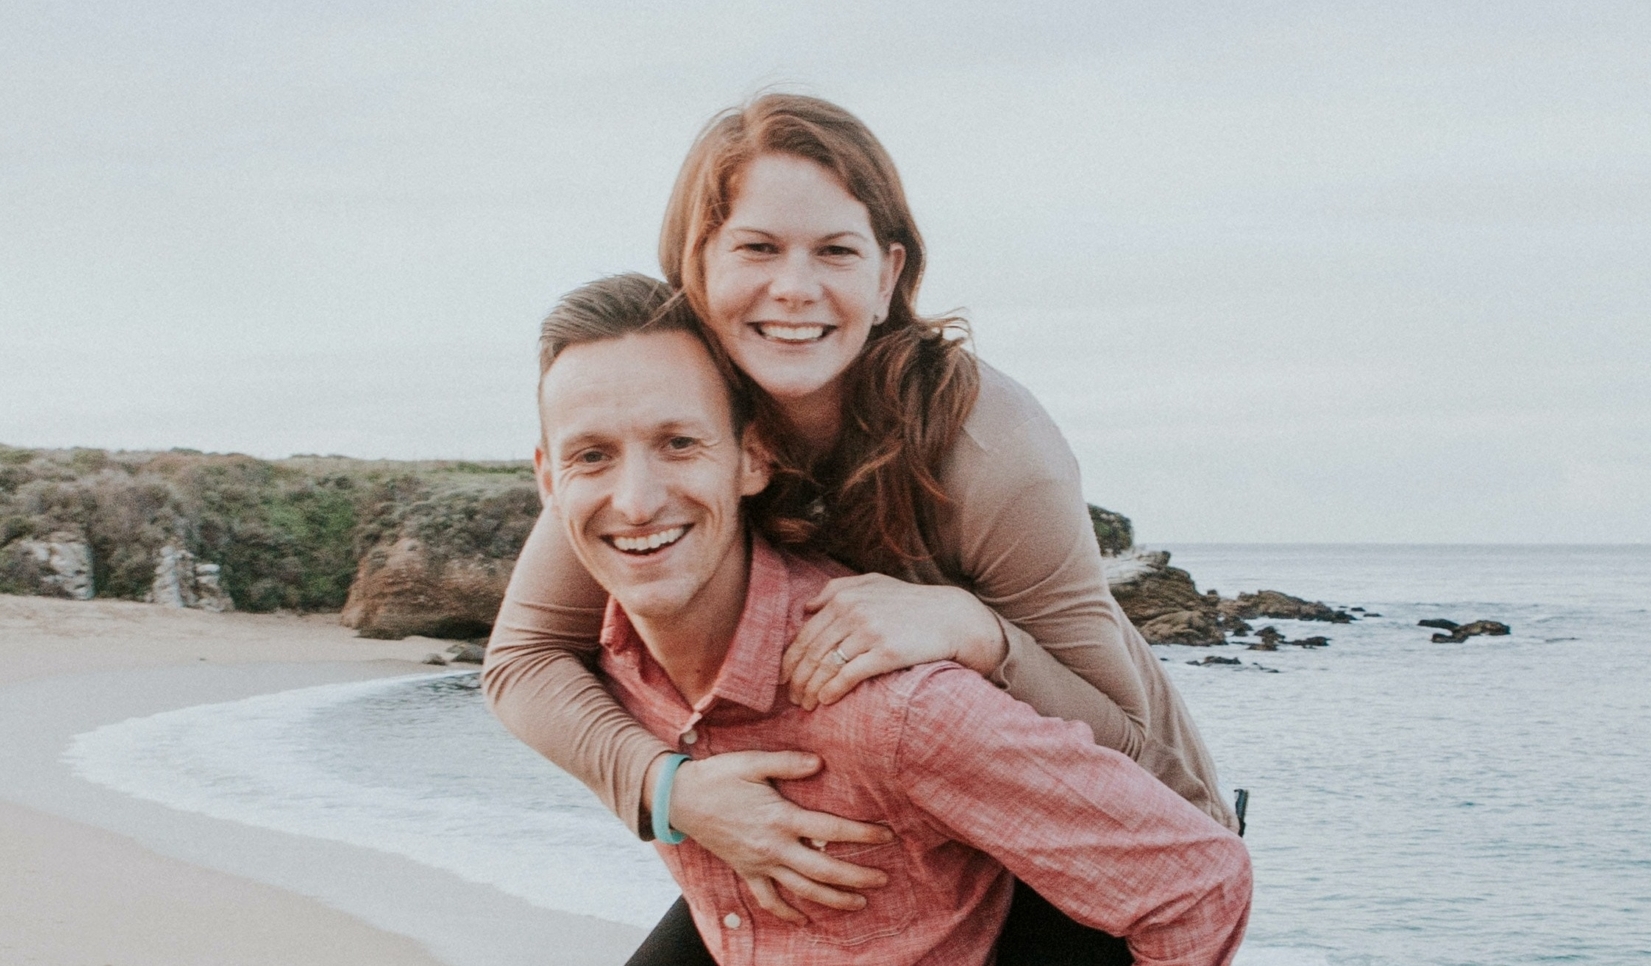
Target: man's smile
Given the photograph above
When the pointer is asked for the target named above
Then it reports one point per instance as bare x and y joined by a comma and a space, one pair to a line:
648, 543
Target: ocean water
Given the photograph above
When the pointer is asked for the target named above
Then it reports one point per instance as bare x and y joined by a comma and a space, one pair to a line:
1411, 803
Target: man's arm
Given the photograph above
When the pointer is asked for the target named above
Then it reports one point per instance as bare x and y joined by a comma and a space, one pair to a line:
1085, 826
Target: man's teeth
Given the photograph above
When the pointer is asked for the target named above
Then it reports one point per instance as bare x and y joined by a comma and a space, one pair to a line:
652, 541
791, 333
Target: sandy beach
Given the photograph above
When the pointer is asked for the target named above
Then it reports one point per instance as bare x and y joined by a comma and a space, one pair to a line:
89, 876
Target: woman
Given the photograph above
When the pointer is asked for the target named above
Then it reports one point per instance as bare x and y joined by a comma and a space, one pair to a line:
789, 234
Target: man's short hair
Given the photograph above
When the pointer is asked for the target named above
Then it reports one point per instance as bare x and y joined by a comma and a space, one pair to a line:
634, 304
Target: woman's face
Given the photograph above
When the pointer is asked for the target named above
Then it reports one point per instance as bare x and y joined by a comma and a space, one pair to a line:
794, 278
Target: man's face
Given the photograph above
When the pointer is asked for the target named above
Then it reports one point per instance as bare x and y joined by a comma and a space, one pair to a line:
642, 464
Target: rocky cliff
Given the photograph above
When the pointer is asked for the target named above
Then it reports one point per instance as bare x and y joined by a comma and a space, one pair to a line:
401, 548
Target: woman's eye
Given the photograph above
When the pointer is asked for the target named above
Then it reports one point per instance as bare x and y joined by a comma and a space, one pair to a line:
839, 251
760, 248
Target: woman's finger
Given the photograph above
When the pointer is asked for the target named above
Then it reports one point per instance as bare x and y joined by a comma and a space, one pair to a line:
804, 691
819, 633
821, 659
768, 897
864, 667
814, 892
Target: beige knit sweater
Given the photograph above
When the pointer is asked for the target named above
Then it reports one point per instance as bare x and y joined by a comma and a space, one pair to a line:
1019, 530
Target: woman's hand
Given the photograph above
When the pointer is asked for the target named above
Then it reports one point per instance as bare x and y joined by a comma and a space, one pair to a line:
880, 624
726, 804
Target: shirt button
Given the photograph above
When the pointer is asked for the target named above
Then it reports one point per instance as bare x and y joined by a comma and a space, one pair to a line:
732, 920
690, 736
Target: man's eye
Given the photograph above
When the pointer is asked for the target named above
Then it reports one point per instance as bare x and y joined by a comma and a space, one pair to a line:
590, 456
681, 442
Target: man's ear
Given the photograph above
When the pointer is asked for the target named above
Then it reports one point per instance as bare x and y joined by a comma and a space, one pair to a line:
541, 476
756, 464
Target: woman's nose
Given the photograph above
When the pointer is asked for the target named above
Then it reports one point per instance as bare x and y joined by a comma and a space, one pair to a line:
794, 279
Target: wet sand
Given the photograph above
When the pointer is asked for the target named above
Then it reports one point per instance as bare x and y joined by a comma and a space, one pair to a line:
89, 876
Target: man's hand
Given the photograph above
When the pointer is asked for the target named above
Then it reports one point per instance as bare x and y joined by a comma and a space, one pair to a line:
726, 804
871, 624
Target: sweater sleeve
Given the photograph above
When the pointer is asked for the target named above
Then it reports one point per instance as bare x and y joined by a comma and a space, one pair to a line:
539, 681
1025, 546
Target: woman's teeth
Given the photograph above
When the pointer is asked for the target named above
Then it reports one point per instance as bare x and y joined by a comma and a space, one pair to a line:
791, 333
652, 541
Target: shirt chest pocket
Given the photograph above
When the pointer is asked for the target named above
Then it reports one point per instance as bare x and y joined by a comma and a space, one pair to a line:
888, 910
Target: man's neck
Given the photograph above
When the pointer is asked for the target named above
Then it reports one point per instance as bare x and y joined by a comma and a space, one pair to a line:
691, 645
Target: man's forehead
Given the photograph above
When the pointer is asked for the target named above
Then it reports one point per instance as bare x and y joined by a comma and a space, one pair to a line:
640, 382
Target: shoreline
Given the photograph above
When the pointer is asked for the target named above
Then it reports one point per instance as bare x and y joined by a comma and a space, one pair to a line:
91, 875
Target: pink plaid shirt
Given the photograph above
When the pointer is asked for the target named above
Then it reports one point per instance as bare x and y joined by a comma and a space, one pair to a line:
977, 786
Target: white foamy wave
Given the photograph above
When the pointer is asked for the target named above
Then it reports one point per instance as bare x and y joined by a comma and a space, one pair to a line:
272, 761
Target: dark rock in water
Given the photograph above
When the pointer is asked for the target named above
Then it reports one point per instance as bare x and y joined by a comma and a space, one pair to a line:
1438, 622
1312, 642
1162, 601
1462, 633
1279, 606
1359, 609
1264, 646
1270, 637
1234, 625
1212, 659
470, 652
1113, 531
1371, 613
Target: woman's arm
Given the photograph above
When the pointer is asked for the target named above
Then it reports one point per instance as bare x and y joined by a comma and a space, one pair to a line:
1040, 621
539, 682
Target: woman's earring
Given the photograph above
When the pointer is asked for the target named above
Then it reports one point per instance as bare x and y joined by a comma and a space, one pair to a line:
876, 320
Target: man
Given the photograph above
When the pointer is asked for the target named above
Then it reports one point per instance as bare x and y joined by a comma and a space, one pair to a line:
645, 461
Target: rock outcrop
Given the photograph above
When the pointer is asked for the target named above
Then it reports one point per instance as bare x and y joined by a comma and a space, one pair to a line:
1162, 601
441, 564
58, 566
403, 589
1279, 606
182, 581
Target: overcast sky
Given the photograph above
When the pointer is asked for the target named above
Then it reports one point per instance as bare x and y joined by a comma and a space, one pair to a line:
1291, 272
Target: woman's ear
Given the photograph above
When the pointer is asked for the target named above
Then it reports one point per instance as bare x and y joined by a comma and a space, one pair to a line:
756, 464
894, 262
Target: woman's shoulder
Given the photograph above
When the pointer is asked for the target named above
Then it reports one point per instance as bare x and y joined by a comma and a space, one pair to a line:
1008, 434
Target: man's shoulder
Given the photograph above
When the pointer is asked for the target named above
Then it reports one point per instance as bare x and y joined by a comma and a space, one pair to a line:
927, 696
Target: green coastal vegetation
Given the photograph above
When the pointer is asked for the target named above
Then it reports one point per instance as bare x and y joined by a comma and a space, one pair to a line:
286, 534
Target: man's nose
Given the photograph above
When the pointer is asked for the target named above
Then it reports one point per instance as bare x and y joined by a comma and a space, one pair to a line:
639, 491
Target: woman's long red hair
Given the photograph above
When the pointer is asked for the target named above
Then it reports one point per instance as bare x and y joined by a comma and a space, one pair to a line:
875, 500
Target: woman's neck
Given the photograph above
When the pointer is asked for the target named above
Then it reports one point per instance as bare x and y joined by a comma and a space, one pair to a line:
816, 418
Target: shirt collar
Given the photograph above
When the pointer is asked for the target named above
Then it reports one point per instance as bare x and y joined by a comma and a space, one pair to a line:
750, 673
